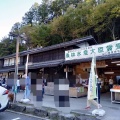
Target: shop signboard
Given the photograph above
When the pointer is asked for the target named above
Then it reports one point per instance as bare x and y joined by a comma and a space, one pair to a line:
97, 50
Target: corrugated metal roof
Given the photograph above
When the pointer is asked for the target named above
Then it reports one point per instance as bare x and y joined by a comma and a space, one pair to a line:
65, 44
89, 39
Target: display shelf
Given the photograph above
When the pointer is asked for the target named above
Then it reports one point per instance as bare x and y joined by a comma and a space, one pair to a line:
115, 93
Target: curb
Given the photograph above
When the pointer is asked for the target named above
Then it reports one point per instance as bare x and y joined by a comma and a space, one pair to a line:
46, 113
27, 115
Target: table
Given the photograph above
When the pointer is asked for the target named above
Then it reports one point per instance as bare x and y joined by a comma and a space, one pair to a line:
77, 92
113, 92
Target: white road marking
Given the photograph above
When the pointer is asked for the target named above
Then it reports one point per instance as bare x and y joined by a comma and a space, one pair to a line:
16, 119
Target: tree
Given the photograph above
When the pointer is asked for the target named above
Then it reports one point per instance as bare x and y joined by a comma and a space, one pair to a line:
104, 17
31, 16
41, 35
64, 20
43, 12
73, 24
28, 18
36, 35
8, 46
34, 10
60, 26
16, 27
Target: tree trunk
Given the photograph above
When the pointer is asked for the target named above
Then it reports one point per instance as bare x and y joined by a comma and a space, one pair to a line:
112, 29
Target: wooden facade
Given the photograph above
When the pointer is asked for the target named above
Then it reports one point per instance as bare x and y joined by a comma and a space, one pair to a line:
50, 58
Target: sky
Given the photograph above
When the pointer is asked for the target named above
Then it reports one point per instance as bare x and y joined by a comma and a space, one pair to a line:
12, 11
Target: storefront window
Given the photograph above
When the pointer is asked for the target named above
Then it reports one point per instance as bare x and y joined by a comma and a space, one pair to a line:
6, 62
12, 61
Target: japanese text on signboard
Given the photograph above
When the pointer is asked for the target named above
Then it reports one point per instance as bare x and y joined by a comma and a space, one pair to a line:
98, 50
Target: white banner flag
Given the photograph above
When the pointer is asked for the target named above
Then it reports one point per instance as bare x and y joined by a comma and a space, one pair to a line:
92, 81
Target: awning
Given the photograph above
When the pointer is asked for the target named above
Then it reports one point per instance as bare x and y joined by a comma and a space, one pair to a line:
45, 64
7, 70
111, 56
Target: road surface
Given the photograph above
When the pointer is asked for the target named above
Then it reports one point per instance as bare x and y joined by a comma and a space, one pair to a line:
16, 116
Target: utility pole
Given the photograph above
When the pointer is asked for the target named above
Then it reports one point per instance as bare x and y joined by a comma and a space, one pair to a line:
17, 36
16, 68
17, 55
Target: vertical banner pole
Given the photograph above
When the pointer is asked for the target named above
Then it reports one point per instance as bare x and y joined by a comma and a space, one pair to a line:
66, 72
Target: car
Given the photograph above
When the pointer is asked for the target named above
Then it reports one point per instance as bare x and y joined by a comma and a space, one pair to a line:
4, 99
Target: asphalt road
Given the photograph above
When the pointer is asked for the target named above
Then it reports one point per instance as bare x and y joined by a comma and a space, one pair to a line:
16, 116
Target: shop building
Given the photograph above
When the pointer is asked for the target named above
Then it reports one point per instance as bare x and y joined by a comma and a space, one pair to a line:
47, 61
71, 60
107, 63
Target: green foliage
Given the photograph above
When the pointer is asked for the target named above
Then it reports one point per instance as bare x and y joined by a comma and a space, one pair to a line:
40, 35
8, 47
43, 13
54, 39
104, 17
31, 16
36, 35
63, 20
